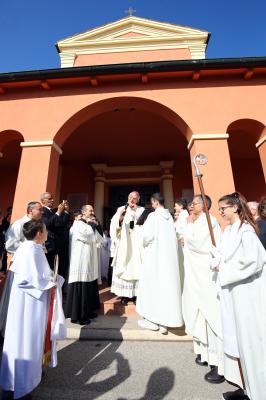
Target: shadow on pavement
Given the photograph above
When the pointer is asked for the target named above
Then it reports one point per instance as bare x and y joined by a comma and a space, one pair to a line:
160, 383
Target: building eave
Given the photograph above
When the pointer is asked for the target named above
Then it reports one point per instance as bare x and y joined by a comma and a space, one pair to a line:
221, 65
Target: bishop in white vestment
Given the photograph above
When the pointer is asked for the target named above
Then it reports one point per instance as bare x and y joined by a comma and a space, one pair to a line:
126, 249
21, 367
159, 298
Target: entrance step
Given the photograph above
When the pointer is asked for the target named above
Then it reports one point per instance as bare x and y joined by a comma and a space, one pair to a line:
114, 327
111, 305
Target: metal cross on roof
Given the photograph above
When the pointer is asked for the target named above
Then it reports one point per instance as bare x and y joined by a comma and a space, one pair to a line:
130, 11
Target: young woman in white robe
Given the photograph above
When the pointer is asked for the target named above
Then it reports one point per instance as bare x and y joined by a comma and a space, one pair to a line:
159, 297
242, 278
21, 367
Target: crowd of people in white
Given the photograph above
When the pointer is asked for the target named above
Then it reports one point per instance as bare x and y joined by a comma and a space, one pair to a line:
167, 266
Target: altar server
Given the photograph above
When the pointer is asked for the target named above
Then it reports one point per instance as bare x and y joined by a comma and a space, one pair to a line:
21, 367
242, 277
159, 297
83, 294
201, 307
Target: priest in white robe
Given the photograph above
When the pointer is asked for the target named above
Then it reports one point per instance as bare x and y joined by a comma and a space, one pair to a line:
242, 278
21, 367
83, 293
159, 298
201, 309
126, 249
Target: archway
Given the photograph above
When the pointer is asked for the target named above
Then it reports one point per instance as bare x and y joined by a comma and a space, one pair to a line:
245, 159
10, 154
122, 142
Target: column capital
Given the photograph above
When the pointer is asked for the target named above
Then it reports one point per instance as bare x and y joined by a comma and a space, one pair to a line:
166, 169
206, 136
261, 141
99, 167
41, 143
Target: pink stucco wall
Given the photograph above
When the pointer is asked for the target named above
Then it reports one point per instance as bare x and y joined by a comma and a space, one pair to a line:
132, 57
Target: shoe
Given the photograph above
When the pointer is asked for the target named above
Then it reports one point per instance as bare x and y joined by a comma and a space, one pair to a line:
93, 315
84, 322
124, 301
145, 324
199, 362
213, 377
163, 329
236, 395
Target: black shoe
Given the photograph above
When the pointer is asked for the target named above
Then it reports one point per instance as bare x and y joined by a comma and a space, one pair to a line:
213, 377
93, 315
199, 362
84, 322
124, 301
236, 395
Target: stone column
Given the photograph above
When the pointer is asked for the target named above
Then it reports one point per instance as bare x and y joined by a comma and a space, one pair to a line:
167, 183
217, 173
99, 180
261, 146
38, 172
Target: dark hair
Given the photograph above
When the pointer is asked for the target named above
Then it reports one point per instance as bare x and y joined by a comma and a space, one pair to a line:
236, 199
31, 205
158, 197
262, 208
32, 227
182, 202
207, 199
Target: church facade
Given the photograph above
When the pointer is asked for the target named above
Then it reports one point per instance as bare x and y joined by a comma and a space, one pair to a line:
132, 104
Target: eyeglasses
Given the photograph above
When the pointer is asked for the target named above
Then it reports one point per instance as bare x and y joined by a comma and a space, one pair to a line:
195, 204
221, 209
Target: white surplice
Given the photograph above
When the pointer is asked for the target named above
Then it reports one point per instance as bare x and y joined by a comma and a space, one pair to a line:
21, 367
14, 234
159, 295
105, 256
180, 226
242, 277
84, 261
201, 309
127, 252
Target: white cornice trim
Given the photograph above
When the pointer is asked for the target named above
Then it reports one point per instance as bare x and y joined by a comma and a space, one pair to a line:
206, 136
42, 143
262, 140
131, 22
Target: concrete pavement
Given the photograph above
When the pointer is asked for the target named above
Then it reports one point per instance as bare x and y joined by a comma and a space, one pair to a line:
128, 370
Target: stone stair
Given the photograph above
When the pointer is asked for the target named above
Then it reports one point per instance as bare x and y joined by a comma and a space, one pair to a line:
111, 305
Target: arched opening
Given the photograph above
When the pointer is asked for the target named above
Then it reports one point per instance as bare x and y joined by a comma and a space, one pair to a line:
123, 143
245, 159
10, 154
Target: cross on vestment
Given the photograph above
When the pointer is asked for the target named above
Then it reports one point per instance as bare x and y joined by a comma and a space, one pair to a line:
130, 11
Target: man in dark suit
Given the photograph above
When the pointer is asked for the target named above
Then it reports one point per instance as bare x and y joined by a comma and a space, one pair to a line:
57, 223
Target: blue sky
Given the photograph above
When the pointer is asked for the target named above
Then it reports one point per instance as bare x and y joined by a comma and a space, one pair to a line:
29, 29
